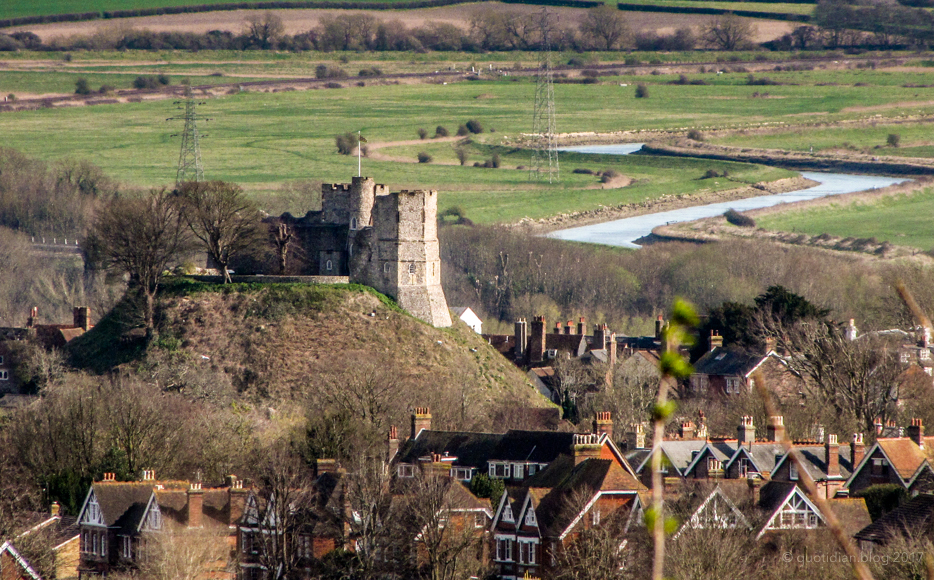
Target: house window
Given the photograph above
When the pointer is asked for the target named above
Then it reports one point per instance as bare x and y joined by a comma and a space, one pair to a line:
699, 383
879, 467
518, 471
526, 552
103, 544
94, 543
745, 467
792, 472
923, 354
462, 473
904, 357
504, 550
533, 469
732, 385
4, 376
127, 547
530, 517
247, 541
499, 470
329, 266
304, 546
412, 268
1, 359
405, 470
479, 520
595, 517
85, 542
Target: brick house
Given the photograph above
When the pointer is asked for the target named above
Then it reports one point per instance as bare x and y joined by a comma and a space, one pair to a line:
903, 461
117, 515
59, 534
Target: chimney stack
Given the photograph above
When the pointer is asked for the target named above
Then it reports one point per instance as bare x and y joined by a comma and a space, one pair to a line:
581, 326
237, 498
603, 424
851, 332
687, 429
755, 488
81, 316
33, 317
746, 432
832, 453
522, 338
715, 340
857, 450
701, 432
537, 340
195, 505
586, 447
323, 466
421, 419
635, 438
612, 350
769, 345
775, 430
569, 327
149, 475
599, 336
916, 432
392, 443
109, 477
659, 326
878, 425
55, 509
558, 329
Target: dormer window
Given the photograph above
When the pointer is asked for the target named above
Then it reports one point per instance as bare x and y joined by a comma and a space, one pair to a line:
518, 471
405, 470
499, 470
507, 514
923, 354
462, 473
530, 517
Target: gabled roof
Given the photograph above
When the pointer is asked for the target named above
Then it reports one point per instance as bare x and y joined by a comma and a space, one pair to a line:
764, 456
717, 511
573, 343
775, 495
914, 518
20, 560
469, 448
679, 454
722, 450
813, 458
902, 453
729, 361
121, 503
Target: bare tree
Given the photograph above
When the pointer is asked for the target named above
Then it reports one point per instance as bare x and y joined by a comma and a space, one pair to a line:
605, 26
713, 554
221, 216
286, 488
281, 238
727, 32
177, 553
263, 30
371, 522
142, 237
436, 514
590, 553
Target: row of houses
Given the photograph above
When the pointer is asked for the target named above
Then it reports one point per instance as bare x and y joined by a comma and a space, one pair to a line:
556, 487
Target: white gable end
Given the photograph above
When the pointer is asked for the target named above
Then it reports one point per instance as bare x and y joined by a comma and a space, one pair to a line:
796, 513
91, 512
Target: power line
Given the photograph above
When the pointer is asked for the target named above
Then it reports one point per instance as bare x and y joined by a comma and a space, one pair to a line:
189, 157
544, 143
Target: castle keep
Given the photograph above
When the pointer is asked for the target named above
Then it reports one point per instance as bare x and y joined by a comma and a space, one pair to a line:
387, 240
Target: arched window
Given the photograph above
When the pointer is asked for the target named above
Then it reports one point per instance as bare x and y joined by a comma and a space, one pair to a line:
353, 223
328, 266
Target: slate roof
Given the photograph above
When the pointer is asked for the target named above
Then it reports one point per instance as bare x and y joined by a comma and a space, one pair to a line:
475, 449
573, 343
914, 518
122, 503
728, 361
722, 450
679, 452
813, 458
774, 493
764, 455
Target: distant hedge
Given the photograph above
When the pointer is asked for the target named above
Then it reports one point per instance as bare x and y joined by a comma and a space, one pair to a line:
704, 10
323, 4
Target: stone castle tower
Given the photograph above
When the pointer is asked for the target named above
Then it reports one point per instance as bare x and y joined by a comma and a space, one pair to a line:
385, 240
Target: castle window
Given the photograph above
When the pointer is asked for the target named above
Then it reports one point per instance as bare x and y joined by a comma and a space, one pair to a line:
4, 376
412, 268
386, 268
329, 266
353, 223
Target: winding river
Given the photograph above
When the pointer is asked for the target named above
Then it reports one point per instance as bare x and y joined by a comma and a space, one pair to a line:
625, 232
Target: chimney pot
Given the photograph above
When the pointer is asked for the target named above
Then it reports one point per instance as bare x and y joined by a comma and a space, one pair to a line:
857, 449
832, 452
55, 509
715, 340
916, 432
421, 419
603, 424
581, 326
746, 432
775, 430
687, 430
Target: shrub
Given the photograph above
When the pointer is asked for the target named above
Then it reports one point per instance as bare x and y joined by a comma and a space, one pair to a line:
494, 161
145, 82
462, 130
632, 61
333, 85
590, 73
164, 79
346, 143
422, 133
81, 87
882, 498
695, 135
738, 219
461, 154
711, 173
441, 131
608, 175
105, 89
322, 71
642, 92
474, 126
583, 171
893, 140
424, 157
11, 97
370, 72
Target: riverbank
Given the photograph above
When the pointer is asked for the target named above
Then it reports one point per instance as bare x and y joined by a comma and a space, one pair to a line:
661, 204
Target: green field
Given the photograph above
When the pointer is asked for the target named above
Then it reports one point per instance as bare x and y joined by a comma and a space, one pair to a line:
774, 7
901, 220
19, 8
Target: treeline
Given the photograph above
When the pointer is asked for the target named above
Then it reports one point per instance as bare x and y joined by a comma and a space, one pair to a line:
603, 28
504, 274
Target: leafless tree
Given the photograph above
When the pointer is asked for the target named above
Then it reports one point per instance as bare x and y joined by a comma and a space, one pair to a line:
447, 542
371, 522
589, 552
281, 238
727, 32
263, 30
713, 554
287, 490
222, 218
858, 378
605, 26
178, 553
141, 237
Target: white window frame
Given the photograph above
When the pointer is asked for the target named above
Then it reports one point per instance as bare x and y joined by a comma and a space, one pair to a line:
792, 471
504, 549
503, 467
4, 375
127, 547
923, 354
458, 473
406, 470
518, 471
595, 517
329, 266
530, 517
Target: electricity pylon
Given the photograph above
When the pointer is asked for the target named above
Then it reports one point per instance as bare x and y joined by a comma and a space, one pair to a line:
189, 158
544, 143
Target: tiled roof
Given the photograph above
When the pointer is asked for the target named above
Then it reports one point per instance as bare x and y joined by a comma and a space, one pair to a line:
122, 501
774, 493
729, 361
475, 449
813, 459
904, 455
914, 518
